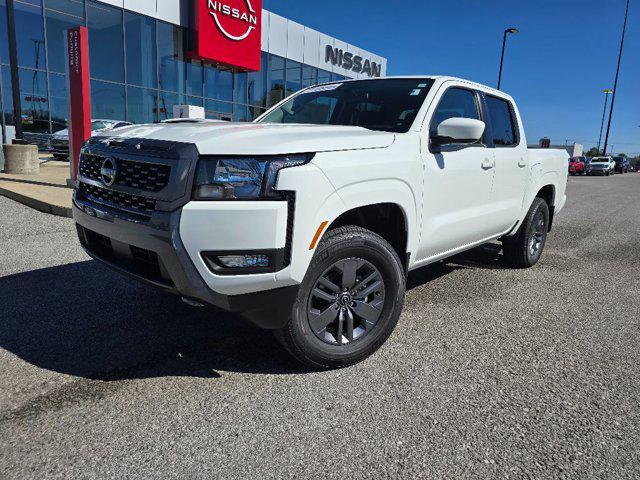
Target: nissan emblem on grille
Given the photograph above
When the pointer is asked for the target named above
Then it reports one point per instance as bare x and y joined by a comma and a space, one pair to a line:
108, 171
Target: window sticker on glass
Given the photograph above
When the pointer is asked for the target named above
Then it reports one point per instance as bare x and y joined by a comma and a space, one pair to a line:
422, 85
415, 92
324, 88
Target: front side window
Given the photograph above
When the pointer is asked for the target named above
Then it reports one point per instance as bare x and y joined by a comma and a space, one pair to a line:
387, 105
502, 122
455, 103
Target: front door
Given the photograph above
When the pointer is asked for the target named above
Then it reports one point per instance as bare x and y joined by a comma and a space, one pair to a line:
457, 184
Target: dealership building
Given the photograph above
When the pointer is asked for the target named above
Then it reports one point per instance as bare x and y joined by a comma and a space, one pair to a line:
231, 57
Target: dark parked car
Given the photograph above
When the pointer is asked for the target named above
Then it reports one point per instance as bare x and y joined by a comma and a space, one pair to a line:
622, 165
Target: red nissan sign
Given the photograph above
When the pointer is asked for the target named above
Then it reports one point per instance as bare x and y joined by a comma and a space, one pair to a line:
228, 32
79, 94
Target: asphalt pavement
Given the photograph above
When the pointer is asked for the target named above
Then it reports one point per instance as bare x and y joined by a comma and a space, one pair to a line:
491, 372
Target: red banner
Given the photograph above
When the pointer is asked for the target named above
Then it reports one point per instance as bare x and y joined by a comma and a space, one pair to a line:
79, 94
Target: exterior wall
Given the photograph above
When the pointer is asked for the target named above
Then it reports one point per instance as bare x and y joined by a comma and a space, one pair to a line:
280, 36
138, 67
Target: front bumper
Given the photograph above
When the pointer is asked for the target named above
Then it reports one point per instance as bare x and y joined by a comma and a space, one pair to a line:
59, 147
154, 253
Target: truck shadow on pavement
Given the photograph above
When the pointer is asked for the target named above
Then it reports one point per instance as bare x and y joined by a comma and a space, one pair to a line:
84, 320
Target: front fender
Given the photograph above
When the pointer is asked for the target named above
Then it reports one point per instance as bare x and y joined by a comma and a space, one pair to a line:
389, 190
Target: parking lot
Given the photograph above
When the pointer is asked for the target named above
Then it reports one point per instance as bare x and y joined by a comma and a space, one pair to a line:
491, 372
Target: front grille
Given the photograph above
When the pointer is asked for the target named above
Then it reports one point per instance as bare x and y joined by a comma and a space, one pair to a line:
148, 177
118, 200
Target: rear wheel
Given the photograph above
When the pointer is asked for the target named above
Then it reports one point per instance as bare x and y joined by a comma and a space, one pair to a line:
524, 249
349, 301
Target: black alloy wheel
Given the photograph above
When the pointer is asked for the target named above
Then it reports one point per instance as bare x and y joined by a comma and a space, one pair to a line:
346, 302
524, 249
538, 233
349, 301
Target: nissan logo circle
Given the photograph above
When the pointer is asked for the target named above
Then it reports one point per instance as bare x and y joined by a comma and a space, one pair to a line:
109, 171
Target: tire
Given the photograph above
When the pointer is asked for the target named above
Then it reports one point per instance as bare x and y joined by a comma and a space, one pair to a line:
519, 250
319, 324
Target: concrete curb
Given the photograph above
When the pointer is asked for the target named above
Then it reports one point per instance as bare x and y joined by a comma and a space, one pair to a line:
36, 204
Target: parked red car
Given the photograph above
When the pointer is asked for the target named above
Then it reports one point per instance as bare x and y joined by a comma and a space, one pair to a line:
577, 166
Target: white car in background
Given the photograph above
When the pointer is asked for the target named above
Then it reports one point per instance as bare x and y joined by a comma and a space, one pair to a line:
59, 142
602, 166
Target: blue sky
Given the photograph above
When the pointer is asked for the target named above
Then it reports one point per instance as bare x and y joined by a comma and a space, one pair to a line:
556, 68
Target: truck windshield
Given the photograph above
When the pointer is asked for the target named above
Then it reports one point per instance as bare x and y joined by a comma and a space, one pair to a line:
389, 105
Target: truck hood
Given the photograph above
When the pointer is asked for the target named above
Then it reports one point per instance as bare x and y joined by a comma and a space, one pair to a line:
213, 138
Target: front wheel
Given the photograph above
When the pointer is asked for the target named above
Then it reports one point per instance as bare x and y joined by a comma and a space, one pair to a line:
524, 249
349, 301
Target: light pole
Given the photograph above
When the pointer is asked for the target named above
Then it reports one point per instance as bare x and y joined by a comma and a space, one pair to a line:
615, 83
504, 43
607, 92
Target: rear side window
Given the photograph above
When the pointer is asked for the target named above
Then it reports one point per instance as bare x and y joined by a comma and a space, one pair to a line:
505, 132
455, 103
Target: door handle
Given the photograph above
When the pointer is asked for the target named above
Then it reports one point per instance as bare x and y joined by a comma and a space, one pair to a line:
522, 163
487, 164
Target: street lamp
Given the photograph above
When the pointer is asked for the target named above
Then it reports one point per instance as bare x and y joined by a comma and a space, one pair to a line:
504, 42
607, 92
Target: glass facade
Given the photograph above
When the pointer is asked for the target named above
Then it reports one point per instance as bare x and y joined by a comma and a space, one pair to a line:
139, 70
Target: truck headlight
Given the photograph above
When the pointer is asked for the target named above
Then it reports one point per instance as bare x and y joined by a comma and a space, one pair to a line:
241, 178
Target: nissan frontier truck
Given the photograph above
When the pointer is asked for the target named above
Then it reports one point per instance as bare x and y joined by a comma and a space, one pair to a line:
307, 221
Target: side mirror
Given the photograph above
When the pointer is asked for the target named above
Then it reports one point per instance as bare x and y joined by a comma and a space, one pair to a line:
459, 130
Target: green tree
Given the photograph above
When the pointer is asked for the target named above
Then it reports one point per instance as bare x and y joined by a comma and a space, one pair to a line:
592, 152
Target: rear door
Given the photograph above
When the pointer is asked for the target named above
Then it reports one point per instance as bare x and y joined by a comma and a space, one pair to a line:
511, 161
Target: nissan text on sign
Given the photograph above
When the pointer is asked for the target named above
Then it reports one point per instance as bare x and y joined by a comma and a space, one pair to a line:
228, 32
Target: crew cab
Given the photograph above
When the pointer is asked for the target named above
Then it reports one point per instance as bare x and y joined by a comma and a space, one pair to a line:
602, 166
307, 220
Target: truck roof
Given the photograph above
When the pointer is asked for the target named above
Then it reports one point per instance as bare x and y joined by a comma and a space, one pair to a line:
437, 78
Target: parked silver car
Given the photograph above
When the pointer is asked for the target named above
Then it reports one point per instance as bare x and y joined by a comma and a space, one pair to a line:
59, 141
602, 166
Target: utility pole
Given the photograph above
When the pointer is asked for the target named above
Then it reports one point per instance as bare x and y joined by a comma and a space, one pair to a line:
504, 43
13, 62
615, 84
607, 92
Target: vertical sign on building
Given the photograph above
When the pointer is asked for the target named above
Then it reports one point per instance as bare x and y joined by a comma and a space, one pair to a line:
79, 94
228, 32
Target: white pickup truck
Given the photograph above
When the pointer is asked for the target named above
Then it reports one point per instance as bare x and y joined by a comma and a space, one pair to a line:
307, 221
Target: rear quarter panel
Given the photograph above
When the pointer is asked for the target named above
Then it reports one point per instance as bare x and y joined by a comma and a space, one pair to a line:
547, 167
